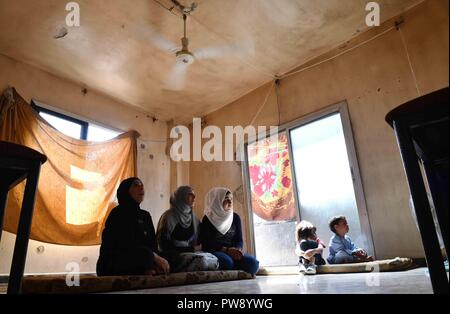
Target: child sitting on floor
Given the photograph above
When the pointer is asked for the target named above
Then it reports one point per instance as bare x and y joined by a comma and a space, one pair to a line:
309, 248
342, 249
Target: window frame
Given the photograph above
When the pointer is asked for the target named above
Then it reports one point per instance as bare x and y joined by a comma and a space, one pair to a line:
84, 123
342, 109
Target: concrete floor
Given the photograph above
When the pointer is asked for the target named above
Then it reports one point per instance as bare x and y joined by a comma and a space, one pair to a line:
408, 282
414, 281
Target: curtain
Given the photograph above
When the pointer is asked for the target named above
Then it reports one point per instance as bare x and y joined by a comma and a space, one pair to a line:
77, 184
271, 180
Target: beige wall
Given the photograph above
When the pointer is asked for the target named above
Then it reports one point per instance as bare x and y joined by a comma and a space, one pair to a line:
373, 78
153, 164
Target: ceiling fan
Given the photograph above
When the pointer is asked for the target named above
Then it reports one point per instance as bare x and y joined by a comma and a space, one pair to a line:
176, 80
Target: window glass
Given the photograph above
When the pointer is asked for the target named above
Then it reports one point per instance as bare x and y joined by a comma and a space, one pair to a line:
98, 133
66, 127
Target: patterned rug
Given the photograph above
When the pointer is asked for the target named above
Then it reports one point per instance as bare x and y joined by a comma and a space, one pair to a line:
94, 284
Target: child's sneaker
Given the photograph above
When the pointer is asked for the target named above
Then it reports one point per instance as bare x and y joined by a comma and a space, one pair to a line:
311, 270
302, 269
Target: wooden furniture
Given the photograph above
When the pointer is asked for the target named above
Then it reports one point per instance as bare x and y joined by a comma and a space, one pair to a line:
422, 131
16, 164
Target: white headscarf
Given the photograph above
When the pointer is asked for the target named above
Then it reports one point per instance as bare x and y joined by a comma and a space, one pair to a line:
215, 212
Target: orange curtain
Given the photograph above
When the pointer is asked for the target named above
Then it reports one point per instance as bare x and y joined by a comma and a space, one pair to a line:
77, 184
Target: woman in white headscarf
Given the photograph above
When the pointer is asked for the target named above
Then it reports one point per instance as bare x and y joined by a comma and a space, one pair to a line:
177, 235
221, 232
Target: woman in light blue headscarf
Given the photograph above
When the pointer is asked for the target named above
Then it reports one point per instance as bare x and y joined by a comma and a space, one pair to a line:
178, 233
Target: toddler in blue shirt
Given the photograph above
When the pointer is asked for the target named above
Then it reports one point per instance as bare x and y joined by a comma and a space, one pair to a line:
342, 249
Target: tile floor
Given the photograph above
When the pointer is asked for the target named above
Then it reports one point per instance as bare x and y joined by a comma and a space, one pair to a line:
408, 282
414, 281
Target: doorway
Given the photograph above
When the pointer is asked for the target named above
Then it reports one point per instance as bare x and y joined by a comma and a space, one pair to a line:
310, 173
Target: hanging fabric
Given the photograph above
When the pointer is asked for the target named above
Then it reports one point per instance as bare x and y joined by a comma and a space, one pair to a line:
271, 183
77, 186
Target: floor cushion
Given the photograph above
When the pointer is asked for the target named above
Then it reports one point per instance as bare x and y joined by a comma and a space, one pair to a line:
396, 264
95, 284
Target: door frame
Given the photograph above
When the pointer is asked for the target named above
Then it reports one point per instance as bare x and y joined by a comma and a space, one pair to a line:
342, 109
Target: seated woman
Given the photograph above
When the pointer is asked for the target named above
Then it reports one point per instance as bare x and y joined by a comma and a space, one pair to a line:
128, 240
177, 235
221, 232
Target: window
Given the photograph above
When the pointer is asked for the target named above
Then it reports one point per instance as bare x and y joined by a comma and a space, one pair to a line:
74, 127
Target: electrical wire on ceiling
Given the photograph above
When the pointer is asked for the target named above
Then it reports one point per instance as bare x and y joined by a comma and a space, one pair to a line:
276, 78
287, 74
171, 9
269, 92
413, 73
178, 7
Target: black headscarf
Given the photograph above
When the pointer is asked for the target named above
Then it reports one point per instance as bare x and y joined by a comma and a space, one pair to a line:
123, 195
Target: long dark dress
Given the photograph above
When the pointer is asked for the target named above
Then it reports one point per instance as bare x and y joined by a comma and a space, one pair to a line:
128, 243
128, 240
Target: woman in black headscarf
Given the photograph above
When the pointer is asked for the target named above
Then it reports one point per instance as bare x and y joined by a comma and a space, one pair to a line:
128, 241
178, 235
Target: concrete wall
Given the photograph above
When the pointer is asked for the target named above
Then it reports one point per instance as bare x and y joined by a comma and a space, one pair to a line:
153, 164
373, 78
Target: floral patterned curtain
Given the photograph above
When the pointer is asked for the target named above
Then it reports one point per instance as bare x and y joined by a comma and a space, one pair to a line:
271, 179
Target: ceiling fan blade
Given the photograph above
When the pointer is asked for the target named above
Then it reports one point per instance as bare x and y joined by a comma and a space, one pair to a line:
241, 49
176, 80
148, 34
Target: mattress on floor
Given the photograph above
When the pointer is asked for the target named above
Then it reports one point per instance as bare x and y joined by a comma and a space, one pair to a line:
396, 264
94, 284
